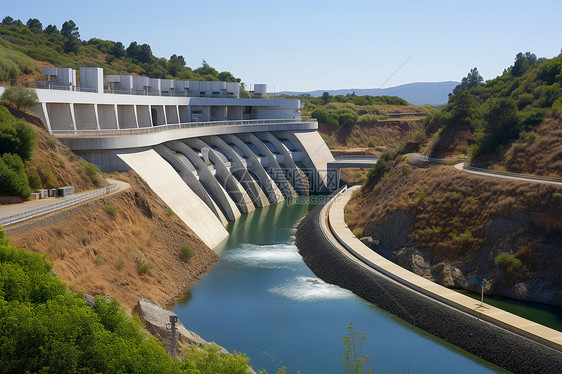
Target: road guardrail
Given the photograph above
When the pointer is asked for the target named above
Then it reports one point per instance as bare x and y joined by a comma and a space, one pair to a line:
56, 206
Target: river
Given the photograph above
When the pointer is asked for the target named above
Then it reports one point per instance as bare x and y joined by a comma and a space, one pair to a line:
261, 299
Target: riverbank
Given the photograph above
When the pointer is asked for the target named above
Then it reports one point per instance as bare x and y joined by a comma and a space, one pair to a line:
470, 333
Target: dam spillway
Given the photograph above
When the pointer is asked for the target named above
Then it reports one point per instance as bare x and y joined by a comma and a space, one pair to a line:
210, 154
209, 181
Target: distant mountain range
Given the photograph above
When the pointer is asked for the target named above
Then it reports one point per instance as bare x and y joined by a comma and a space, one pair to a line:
420, 93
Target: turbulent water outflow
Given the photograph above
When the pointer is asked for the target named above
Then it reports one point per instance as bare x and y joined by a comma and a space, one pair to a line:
261, 299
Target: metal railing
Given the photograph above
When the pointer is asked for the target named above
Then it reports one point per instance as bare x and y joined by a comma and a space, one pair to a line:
56, 206
177, 126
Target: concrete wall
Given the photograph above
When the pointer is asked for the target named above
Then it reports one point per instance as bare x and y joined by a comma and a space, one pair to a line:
85, 115
168, 185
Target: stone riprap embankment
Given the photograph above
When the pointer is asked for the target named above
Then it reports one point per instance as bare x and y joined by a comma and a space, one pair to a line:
483, 339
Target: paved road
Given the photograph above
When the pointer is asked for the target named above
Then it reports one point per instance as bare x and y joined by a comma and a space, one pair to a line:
512, 176
13, 209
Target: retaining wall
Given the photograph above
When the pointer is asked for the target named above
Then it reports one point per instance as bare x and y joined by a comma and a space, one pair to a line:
490, 342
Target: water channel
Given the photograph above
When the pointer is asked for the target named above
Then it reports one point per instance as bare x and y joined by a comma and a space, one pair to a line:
261, 299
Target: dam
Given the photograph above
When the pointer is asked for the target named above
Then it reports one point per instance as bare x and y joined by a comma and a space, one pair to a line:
210, 154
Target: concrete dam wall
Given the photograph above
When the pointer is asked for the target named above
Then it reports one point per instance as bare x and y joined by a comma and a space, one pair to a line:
211, 180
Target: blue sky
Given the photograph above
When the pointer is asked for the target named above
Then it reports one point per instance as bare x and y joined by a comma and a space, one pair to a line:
308, 45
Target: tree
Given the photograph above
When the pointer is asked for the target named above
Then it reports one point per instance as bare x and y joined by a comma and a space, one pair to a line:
8, 21
522, 63
326, 97
20, 97
51, 29
34, 25
145, 54
70, 31
473, 79
226, 76
352, 361
118, 50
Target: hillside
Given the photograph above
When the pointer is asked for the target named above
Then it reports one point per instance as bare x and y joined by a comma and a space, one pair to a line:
98, 247
513, 122
419, 93
361, 125
25, 48
454, 227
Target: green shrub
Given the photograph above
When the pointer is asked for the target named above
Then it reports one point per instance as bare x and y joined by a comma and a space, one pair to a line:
45, 328
20, 97
13, 177
111, 209
46, 176
99, 260
371, 143
186, 253
119, 263
507, 261
358, 232
169, 212
208, 360
405, 171
143, 266
91, 171
34, 178
16, 135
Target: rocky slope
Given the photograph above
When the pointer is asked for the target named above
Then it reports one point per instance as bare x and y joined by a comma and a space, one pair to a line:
452, 227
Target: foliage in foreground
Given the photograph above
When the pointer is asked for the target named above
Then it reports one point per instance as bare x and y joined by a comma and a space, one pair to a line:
45, 328
352, 361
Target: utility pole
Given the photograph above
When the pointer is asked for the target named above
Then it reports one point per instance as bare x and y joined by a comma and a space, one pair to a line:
484, 281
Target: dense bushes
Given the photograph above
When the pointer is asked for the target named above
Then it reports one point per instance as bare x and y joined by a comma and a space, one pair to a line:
13, 178
16, 135
336, 117
507, 107
44, 328
17, 142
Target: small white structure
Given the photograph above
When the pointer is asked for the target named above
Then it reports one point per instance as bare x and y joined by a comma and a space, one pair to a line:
141, 85
60, 78
260, 91
91, 80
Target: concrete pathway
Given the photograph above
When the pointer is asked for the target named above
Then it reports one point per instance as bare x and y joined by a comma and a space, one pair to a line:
21, 208
360, 253
507, 175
